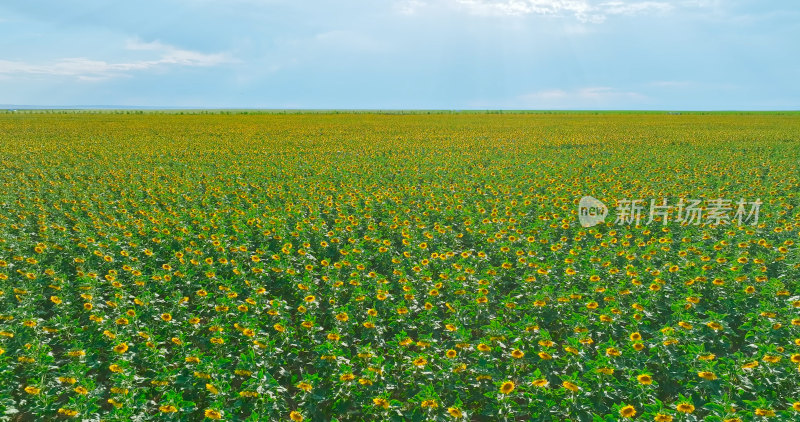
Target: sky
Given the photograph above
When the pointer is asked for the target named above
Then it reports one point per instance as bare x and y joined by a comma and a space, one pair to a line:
402, 54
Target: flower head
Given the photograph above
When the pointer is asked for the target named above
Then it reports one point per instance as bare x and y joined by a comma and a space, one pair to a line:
455, 412
507, 387
706, 375
627, 411
213, 414
570, 386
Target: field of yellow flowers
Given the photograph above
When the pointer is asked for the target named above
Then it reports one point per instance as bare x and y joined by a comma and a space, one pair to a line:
390, 267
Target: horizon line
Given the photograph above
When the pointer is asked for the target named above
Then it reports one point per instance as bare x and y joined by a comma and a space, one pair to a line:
97, 107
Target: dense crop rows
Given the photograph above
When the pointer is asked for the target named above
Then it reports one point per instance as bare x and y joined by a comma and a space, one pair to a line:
394, 267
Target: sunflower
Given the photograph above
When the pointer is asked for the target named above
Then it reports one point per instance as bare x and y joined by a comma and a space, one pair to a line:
750, 365
380, 402
645, 379
765, 412
685, 408
541, 383
627, 411
213, 414
706, 375
570, 386
518, 354
455, 412
662, 418
68, 412
167, 409
429, 404
507, 387
121, 348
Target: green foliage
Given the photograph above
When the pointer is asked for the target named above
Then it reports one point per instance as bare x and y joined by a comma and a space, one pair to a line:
394, 267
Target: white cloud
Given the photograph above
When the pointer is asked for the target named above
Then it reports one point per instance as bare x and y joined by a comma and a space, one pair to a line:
632, 8
589, 97
88, 69
553, 94
409, 7
592, 11
579, 8
606, 93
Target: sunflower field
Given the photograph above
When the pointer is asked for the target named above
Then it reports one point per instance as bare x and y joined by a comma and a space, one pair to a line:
395, 267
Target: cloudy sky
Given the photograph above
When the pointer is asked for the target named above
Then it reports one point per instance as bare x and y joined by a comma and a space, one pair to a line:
450, 54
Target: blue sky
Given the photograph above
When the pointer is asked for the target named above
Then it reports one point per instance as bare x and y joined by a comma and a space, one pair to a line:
430, 54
